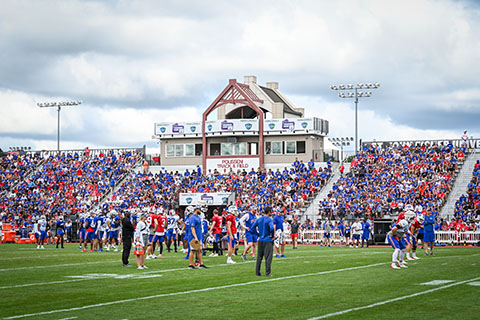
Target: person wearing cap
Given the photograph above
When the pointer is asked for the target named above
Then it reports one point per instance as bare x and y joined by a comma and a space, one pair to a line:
195, 233
127, 235
429, 233
247, 221
266, 234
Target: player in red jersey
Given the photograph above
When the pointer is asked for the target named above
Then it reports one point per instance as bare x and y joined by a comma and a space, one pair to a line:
216, 231
152, 224
231, 232
160, 231
412, 238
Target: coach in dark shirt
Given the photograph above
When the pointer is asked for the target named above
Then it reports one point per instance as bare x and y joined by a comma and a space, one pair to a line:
264, 228
127, 235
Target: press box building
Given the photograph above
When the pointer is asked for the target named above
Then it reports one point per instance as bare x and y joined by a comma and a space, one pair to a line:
255, 126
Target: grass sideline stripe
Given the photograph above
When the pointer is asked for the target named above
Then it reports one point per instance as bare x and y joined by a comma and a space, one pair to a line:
192, 291
393, 300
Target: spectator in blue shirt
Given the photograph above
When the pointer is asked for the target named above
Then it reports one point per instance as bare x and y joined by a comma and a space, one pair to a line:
266, 233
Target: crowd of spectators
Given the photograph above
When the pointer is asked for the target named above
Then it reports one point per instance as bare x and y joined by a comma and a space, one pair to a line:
14, 167
289, 188
65, 184
467, 207
385, 181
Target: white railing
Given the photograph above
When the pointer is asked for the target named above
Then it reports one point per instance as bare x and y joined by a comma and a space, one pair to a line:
454, 237
441, 237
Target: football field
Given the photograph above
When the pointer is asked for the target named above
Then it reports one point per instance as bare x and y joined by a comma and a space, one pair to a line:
312, 282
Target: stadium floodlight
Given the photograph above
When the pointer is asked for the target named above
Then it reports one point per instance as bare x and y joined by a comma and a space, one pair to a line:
340, 142
59, 106
356, 94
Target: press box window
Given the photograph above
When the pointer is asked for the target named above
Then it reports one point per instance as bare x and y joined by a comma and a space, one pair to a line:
291, 147
301, 147
189, 150
170, 150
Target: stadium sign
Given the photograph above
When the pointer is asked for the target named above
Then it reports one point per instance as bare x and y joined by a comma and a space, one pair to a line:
471, 143
233, 163
211, 199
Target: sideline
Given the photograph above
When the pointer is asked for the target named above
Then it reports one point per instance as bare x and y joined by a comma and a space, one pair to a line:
59, 265
393, 300
241, 284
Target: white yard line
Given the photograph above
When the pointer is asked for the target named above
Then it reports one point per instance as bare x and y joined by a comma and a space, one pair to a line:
191, 291
392, 300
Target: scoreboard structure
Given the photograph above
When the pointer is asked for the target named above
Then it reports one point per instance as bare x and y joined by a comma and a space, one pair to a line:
255, 126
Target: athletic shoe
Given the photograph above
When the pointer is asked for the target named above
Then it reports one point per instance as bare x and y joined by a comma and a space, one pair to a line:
211, 254
258, 274
80, 247
42, 247
283, 256
38, 247
426, 254
253, 259
127, 265
402, 265
100, 250
394, 266
432, 254
415, 258
269, 275
148, 258
408, 258
191, 267
230, 261
215, 255
145, 267
84, 250
202, 266
159, 256
244, 257
277, 256
140, 268
116, 250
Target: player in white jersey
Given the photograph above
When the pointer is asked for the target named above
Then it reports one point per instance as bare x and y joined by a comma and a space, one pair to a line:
172, 229
396, 238
357, 231
141, 238
101, 229
42, 227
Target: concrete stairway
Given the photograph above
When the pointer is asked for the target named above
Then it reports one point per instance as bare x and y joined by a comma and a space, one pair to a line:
312, 210
460, 185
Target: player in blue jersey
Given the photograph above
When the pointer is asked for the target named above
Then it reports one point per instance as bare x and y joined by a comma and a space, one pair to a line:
341, 232
60, 231
90, 227
348, 234
429, 233
247, 221
81, 230
279, 243
365, 231
115, 227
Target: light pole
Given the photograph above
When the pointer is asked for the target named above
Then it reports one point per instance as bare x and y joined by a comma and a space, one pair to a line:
341, 142
59, 106
355, 94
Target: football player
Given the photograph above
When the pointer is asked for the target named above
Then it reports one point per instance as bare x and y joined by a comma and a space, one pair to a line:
396, 239
231, 232
247, 221
60, 231
279, 243
216, 231
172, 227
411, 237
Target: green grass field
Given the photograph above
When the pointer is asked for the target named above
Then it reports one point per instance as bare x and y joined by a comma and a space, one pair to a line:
311, 282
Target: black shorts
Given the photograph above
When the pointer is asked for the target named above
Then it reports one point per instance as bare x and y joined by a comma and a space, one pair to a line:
420, 236
347, 234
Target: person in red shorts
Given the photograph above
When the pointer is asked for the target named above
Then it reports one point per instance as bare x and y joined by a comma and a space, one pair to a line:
231, 232
294, 226
216, 231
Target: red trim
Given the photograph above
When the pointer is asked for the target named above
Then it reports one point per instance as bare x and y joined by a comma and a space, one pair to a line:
235, 92
228, 157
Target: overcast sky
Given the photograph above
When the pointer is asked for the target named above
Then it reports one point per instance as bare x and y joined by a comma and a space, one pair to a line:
134, 63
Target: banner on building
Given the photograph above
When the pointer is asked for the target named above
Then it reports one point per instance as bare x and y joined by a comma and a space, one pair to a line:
233, 163
211, 199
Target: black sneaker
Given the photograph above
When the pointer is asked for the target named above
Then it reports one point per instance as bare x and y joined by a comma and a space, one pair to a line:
258, 274
191, 267
244, 257
202, 266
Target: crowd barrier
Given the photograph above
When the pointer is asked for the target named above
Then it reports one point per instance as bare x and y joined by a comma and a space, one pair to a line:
454, 237
441, 237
